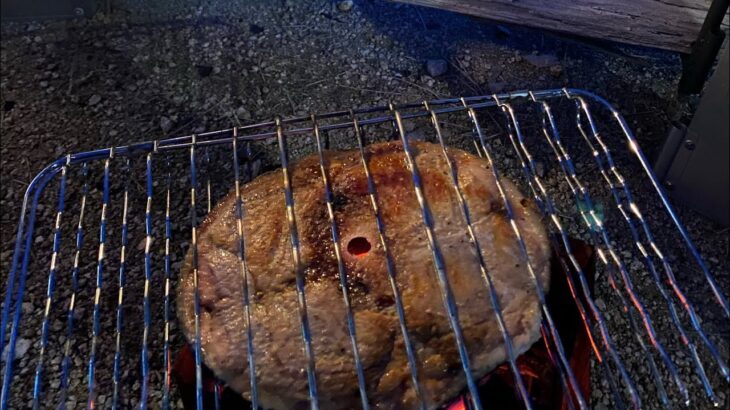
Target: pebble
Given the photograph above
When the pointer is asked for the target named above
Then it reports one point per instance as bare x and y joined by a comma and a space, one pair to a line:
21, 348
242, 113
94, 99
165, 124
540, 169
436, 67
345, 5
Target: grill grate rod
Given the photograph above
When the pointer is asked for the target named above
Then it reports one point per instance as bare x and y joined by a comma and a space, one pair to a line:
594, 227
581, 196
38, 184
547, 316
147, 283
446, 293
196, 288
66, 359
720, 298
623, 198
209, 202
168, 285
546, 205
641, 234
51, 286
486, 275
244, 274
298, 271
120, 295
340, 266
96, 325
413, 367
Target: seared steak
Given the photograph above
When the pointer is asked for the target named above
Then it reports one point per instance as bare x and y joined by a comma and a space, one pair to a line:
279, 356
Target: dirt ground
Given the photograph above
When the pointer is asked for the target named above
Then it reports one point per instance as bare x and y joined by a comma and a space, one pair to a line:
148, 70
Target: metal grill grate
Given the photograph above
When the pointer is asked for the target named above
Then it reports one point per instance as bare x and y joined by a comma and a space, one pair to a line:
519, 151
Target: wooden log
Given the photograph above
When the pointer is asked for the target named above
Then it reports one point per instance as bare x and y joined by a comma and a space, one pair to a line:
665, 24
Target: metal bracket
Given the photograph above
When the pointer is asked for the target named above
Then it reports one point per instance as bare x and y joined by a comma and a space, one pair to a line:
697, 64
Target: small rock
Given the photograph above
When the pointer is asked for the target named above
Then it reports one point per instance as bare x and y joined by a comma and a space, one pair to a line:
540, 169
436, 67
165, 124
43, 84
27, 308
21, 348
600, 304
344, 5
542, 60
242, 113
95, 99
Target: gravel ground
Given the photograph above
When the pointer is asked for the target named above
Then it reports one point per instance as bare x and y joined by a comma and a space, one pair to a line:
146, 71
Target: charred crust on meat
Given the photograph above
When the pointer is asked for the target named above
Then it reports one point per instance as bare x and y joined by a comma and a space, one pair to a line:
339, 201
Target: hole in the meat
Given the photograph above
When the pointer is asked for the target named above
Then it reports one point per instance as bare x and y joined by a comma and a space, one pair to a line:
358, 246
207, 307
384, 301
524, 202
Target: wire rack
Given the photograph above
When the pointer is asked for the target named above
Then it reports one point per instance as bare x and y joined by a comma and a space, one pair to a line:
78, 358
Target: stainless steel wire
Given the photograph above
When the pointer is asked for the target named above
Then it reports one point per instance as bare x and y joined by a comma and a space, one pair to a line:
447, 295
96, 319
640, 236
37, 384
66, 359
372, 195
547, 316
298, 270
245, 280
340, 264
116, 375
486, 275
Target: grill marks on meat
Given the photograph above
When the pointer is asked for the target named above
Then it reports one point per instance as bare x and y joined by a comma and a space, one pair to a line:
279, 356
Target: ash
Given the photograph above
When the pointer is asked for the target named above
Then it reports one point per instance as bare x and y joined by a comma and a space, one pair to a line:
140, 71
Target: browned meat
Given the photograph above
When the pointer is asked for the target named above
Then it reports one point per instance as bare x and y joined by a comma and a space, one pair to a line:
278, 344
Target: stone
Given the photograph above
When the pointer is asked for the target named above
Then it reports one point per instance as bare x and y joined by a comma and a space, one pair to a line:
344, 5
437, 67
242, 113
94, 99
165, 124
21, 348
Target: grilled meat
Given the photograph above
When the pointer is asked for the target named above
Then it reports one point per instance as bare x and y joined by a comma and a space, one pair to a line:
279, 356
